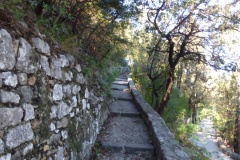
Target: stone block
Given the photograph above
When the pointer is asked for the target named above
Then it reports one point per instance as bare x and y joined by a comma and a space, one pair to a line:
18, 135
10, 116
67, 91
68, 76
64, 61
78, 67
9, 97
6, 157
45, 65
7, 60
9, 79
59, 111
26, 93
1, 146
27, 149
79, 78
25, 58
57, 92
75, 89
63, 123
29, 111
41, 46
22, 78
56, 70
60, 153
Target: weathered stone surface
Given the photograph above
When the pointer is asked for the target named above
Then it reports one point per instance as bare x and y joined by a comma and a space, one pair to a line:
29, 111
19, 135
60, 154
78, 67
67, 91
56, 71
68, 76
22, 78
57, 92
15, 46
93, 99
86, 95
75, 89
45, 65
64, 61
6, 157
10, 116
63, 123
70, 59
54, 138
59, 111
64, 134
84, 104
1, 146
16, 156
26, 93
52, 127
9, 79
25, 58
0, 80
74, 102
80, 79
9, 97
41, 46
32, 80
7, 60
27, 149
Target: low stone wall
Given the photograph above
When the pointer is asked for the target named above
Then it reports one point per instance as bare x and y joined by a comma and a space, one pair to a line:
166, 147
47, 110
227, 151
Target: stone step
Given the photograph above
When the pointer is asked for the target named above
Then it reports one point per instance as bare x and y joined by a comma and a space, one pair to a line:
119, 87
123, 107
125, 114
125, 130
121, 79
128, 147
120, 82
122, 95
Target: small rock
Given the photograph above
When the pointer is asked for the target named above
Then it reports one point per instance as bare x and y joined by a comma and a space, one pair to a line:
75, 89
41, 46
64, 61
27, 149
9, 79
60, 154
64, 134
15, 46
57, 92
32, 80
67, 92
46, 148
52, 127
56, 70
68, 76
9, 97
86, 93
29, 111
79, 78
45, 65
1, 146
84, 104
26, 93
22, 78
78, 68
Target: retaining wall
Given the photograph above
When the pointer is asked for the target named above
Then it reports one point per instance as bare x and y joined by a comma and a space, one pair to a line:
163, 140
47, 109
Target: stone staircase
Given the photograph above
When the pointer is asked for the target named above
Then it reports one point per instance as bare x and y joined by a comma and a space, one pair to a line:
124, 136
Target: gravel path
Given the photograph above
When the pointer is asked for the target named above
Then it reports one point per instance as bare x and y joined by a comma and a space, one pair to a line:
205, 138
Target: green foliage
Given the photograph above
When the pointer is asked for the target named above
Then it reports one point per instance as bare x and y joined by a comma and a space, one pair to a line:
15, 6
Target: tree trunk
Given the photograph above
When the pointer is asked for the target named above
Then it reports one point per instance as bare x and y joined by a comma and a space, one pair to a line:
166, 96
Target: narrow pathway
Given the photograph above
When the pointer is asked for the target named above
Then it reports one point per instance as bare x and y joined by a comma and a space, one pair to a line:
206, 138
125, 135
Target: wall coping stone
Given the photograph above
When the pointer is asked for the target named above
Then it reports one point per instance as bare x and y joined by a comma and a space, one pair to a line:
166, 147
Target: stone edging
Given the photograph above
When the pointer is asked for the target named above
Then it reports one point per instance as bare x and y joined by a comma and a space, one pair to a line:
227, 151
163, 140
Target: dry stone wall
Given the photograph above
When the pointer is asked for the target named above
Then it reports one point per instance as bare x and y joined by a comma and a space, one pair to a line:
47, 110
